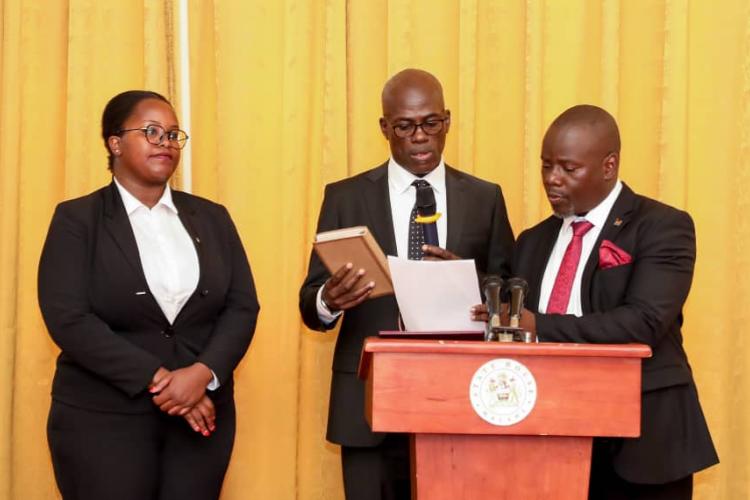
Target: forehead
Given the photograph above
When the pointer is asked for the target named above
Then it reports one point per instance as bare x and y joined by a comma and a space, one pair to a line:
571, 140
153, 110
413, 102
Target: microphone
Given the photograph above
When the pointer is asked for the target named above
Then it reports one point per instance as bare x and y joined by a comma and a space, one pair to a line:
426, 206
516, 289
492, 285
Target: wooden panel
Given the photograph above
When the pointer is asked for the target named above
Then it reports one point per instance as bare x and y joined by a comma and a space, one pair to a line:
428, 392
461, 467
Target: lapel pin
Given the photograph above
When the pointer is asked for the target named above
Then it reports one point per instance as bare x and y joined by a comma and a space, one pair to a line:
140, 293
197, 240
618, 221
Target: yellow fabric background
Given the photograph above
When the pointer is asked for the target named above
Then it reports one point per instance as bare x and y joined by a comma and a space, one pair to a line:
285, 98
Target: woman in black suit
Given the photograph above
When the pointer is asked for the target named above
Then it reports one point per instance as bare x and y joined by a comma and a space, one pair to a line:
148, 293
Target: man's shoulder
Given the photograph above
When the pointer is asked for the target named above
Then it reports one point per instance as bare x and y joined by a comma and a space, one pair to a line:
357, 181
650, 209
474, 181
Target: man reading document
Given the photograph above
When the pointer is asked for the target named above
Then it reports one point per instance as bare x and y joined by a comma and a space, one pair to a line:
473, 225
610, 267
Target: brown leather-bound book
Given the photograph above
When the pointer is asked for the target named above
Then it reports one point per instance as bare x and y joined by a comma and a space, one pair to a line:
356, 245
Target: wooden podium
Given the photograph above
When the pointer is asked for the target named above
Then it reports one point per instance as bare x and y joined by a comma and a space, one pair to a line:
426, 388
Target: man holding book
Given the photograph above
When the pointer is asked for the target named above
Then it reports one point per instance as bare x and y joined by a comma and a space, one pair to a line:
473, 225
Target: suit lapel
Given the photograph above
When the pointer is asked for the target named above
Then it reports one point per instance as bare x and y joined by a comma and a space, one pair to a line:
455, 199
378, 203
118, 225
617, 219
190, 218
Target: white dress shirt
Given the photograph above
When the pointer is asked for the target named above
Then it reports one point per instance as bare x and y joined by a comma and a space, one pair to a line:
168, 255
596, 216
402, 196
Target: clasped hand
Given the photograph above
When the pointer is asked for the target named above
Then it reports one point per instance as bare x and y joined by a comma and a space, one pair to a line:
183, 392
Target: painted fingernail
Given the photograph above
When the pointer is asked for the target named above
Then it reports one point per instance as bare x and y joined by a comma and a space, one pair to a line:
349, 265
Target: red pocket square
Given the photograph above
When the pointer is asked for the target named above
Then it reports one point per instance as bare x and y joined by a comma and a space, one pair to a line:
610, 255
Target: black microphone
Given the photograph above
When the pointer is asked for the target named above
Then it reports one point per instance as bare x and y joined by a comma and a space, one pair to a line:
426, 206
492, 285
516, 289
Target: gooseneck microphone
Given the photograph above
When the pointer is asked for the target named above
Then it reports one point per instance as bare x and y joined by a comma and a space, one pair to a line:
426, 206
516, 290
492, 285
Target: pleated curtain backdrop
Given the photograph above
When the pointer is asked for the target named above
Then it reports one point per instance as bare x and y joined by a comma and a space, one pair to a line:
285, 97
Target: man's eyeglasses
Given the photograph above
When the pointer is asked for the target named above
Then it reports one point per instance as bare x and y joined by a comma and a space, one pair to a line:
431, 126
156, 135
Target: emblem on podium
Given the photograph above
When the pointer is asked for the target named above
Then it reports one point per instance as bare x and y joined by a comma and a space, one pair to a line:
503, 392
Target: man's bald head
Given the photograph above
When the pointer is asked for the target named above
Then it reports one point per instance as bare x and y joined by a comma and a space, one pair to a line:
600, 123
415, 120
410, 81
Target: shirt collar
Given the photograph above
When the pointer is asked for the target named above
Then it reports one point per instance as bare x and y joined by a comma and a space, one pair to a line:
597, 215
400, 179
132, 203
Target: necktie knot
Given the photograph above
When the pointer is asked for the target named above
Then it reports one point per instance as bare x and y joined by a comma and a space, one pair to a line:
581, 227
420, 183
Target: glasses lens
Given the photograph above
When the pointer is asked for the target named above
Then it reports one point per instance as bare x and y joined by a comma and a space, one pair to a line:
404, 129
432, 127
154, 134
177, 136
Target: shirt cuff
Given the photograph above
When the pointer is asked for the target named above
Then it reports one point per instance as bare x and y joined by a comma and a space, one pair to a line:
324, 314
214, 384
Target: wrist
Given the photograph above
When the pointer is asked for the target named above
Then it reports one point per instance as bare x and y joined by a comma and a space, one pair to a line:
207, 373
327, 307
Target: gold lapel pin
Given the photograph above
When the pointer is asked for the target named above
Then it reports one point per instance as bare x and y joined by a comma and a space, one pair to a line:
618, 221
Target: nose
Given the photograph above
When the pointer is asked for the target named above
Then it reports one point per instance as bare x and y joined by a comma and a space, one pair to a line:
419, 135
551, 176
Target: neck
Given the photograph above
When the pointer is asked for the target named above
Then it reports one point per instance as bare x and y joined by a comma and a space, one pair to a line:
149, 195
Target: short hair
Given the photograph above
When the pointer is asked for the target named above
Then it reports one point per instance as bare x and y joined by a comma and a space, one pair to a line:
119, 109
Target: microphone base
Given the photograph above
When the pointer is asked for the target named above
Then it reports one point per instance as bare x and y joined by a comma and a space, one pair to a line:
509, 334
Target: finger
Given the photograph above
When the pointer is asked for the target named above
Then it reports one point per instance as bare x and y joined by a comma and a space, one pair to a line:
207, 415
193, 422
433, 252
178, 410
339, 274
358, 297
165, 407
161, 384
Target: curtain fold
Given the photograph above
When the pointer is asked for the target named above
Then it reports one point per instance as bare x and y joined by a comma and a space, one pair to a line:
285, 98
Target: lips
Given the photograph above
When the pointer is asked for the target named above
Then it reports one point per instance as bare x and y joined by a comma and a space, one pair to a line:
162, 157
554, 197
421, 155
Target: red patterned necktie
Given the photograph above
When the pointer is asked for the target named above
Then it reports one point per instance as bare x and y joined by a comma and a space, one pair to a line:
560, 296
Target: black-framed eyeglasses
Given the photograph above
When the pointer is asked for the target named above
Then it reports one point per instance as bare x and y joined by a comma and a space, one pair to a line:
430, 126
156, 135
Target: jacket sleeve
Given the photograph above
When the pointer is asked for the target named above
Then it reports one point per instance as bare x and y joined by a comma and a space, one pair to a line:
235, 326
63, 279
317, 273
656, 290
500, 252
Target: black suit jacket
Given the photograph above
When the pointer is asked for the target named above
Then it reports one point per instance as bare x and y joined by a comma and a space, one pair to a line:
100, 312
478, 228
637, 302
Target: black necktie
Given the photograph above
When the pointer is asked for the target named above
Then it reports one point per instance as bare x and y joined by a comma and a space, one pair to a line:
424, 205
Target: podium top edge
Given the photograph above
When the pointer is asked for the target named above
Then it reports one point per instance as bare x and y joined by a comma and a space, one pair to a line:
426, 346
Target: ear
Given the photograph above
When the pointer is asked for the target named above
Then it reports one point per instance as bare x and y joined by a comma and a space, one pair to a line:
447, 123
611, 166
384, 127
114, 144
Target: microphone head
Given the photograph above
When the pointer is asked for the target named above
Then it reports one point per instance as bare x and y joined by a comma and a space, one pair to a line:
492, 280
515, 283
426, 200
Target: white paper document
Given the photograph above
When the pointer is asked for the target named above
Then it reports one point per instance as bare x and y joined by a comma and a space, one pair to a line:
435, 296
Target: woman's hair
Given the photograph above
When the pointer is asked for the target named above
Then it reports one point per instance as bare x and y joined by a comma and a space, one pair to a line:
118, 109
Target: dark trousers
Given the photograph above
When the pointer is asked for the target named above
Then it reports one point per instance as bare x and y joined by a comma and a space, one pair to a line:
97, 455
378, 473
605, 484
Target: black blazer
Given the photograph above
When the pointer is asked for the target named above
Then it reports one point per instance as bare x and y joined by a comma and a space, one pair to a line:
99, 310
637, 302
478, 228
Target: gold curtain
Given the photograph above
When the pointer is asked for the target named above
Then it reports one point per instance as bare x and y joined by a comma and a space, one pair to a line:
285, 98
